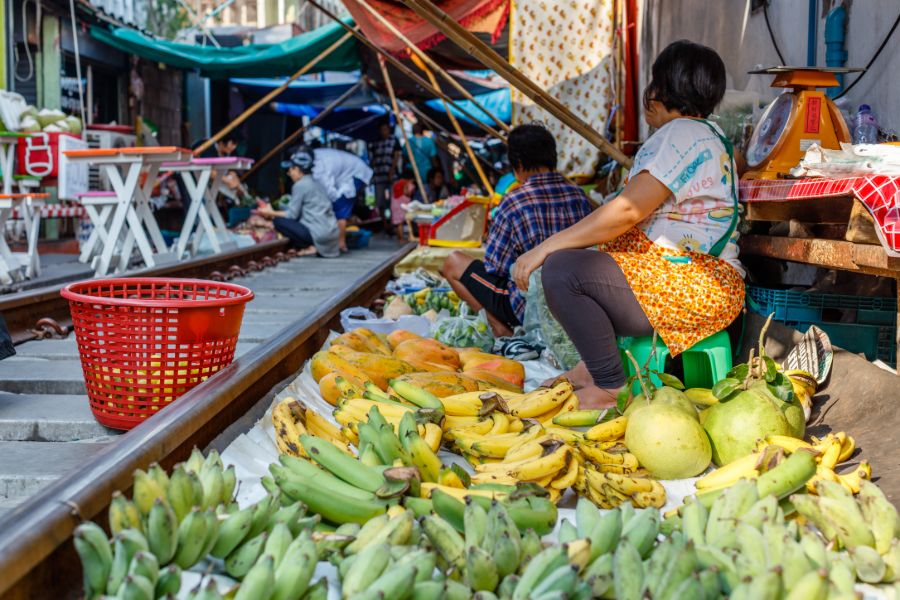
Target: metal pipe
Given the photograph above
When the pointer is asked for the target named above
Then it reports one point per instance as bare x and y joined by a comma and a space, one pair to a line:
812, 33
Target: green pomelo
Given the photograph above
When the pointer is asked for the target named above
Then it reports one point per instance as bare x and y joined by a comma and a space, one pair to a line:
664, 395
667, 441
734, 426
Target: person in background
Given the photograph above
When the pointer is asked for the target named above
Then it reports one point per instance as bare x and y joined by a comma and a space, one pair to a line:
424, 150
400, 196
545, 203
434, 187
384, 157
226, 146
341, 174
668, 257
308, 221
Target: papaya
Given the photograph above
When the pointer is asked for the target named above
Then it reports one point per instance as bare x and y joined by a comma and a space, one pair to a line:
377, 343
422, 365
329, 389
323, 363
379, 369
398, 336
341, 349
489, 380
467, 355
511, 370
427, 350
441, 384
349, 340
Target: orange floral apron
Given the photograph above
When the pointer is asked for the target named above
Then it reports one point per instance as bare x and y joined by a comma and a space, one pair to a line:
687, 296
685, 300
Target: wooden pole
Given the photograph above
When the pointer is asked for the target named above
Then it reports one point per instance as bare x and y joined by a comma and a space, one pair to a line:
409, 72
459, 131
474, 46
287, 141
268, 97
396, 108
416, 51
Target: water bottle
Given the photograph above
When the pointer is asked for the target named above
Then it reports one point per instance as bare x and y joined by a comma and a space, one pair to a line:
865, 127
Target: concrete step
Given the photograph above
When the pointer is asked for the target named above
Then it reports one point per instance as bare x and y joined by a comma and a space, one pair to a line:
26, 467
48, 418
23, 375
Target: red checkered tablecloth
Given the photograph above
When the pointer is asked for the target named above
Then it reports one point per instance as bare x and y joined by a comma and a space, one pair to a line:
879, 193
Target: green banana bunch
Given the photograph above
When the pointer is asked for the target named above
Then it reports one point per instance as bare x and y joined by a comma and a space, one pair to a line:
293, 576
367, 566
123, 514
169, 582
232, 531
146, 490
341, 465
192, 538
628, 569
641, 530
547, 561
162, 531
880, 515
181, 491
242, 559
259, 580
136, 587
446, 540
96, 557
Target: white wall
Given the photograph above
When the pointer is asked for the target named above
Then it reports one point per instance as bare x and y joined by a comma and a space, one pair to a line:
741, 38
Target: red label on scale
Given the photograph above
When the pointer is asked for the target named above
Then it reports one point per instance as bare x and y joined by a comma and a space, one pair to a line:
813, 113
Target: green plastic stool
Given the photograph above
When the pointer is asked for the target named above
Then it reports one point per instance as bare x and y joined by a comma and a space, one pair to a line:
705, 363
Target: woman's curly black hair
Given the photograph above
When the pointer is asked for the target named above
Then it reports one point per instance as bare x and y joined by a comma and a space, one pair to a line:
687, 77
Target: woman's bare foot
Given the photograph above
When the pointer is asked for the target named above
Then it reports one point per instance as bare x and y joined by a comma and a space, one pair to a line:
310, 251
578, 376
594, 397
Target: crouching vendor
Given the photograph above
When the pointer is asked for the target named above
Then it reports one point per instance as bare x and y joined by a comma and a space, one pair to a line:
668, 254
545, 204
308, 221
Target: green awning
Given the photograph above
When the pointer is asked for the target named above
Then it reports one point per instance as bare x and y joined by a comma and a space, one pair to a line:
254, 60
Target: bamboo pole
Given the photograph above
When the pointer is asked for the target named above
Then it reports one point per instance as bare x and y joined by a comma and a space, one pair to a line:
459, 131
409, 72
287, 141
423, 56
396, 109
474, 46
268, 97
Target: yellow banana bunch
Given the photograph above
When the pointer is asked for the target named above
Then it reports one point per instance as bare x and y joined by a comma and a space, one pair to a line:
609, 490
570, 404
611, 462
495, 445
541, 401
467, 404
289, 417
727, 475
459, 493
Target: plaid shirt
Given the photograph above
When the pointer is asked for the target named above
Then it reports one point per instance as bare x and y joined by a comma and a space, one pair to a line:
545, 204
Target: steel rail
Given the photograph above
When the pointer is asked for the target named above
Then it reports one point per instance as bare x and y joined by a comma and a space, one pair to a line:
22, 310
37, 558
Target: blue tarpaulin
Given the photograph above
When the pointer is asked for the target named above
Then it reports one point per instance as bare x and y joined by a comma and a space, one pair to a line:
498, 102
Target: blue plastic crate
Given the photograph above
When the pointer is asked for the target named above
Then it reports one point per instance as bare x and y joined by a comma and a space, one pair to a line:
789, 305
873, 333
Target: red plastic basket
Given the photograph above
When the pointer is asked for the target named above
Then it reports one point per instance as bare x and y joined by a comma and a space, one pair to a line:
144, 342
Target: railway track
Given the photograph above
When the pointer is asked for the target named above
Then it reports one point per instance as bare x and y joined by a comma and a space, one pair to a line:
297, 303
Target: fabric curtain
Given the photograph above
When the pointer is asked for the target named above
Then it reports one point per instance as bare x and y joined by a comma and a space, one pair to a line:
478, 16
566, 48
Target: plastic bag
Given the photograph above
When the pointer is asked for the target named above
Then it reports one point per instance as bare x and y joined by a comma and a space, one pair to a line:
465, 331
539, 322
352, 318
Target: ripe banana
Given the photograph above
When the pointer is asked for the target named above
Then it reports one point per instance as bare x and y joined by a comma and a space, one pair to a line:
540, 401
579, 418
287, 418
613, 429
123, 514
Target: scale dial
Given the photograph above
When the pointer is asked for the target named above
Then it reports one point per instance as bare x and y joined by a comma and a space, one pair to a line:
770, 130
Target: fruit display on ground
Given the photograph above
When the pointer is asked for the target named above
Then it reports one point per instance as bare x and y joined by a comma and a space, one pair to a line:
376, 494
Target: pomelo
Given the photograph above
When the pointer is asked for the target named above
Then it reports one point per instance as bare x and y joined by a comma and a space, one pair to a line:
667, 441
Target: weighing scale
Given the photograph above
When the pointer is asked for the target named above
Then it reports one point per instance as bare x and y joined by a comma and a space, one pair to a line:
795, 120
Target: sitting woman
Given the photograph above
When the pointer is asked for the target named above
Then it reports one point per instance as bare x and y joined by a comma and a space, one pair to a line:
668, 258
308, 221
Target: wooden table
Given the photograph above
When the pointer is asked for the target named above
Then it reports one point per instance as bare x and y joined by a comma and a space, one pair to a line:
132, 217
203, 179
828, 254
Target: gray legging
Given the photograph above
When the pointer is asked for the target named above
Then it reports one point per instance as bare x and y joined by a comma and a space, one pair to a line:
590, 297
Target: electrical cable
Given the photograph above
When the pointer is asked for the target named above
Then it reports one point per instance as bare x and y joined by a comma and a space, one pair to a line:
16, 75
874, 58
77, 62
772, 33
